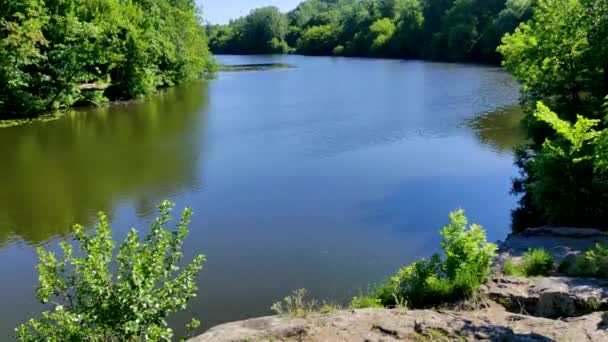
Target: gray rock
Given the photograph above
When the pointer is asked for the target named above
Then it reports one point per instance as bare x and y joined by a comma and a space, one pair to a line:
492, 323
552, 297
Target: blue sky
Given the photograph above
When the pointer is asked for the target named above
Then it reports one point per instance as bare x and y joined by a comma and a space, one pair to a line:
221, 11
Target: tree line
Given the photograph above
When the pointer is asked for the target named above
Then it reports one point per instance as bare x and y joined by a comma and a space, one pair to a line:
60, 53
454, 30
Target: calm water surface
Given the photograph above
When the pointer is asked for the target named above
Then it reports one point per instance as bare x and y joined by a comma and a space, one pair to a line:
328, 176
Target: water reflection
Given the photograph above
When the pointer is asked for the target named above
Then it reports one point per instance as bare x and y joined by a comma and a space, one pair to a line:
62, 172
500, 129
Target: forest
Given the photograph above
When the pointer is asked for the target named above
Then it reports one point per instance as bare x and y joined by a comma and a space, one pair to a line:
452, 30
61, 53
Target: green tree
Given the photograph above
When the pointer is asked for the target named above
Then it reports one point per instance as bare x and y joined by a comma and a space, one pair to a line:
559, 57
569, 173
260, 27
317, 40
58, 53
92, 303
381, 32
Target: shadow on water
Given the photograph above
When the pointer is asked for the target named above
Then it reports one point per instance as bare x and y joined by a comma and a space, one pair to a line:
500, 129
63, 171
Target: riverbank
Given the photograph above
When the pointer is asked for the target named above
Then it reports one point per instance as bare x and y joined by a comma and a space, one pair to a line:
553, 308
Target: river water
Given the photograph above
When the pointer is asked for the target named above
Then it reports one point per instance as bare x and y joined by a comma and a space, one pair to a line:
329, 175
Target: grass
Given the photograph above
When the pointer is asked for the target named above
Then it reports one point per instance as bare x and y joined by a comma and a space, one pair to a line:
297, 305
535, 263
365, 302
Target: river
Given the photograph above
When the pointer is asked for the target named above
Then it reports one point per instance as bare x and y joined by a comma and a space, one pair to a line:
329, 175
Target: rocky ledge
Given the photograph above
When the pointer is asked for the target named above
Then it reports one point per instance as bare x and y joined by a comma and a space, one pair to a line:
554, 308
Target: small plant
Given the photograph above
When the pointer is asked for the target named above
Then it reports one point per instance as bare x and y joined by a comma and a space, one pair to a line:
365, 302
510, 268
592, 263
295, 305
464, 267
536, 262
327, 308
92, 303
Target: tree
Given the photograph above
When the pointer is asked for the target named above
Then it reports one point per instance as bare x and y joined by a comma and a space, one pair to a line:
555, 57
459, 30
381, 32
559, 56
317, 40
59, 53
260, 27
569, 172
92, 303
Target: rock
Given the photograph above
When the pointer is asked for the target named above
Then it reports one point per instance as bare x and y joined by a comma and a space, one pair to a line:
552, 297
489, 324
563, 243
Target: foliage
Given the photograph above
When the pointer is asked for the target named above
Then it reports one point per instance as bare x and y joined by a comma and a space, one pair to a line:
295, 305
536, 262
98, 295
510, 268
459, 30
464, 266
559, 57
365, 302
568, 175
263, 30
50, 50
317, 40
592, 263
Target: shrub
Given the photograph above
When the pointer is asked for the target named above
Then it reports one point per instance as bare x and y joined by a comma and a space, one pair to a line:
92, 303
537, 262
365, 302
566, 180
510, 268
295, 305
464, 267
593, 263
338, 50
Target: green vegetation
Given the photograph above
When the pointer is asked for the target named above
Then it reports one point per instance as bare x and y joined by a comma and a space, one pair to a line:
296, 305
90, 302
593, 263
455, 30
465, 265
559, 57
535, 263
510, 268
61, 53
365, 302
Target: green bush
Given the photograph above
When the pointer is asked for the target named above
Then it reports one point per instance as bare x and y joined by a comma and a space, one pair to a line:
365, 302
90, 302
467, 257
593, 263
569, 174
510, 268
537, 262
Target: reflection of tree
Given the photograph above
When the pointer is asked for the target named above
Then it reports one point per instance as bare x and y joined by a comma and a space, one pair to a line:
501, 129
59, 173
